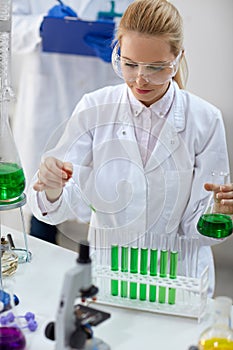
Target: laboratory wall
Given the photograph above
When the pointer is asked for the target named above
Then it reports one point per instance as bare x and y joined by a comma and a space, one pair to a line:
208, 28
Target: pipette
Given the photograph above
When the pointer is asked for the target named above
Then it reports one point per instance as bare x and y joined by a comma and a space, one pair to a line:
69, 174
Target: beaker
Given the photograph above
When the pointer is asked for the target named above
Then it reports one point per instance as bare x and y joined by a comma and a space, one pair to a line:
216, 222
12, 179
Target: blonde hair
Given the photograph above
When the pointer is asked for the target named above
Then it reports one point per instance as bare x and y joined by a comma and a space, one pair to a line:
157, 17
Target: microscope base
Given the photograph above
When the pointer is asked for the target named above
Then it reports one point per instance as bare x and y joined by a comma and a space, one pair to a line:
94, 344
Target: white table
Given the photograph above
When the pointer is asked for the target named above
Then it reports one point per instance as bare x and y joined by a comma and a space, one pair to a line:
38, 285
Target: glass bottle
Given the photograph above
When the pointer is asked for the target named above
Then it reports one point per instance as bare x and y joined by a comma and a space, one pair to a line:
220, 334
216, 220
12, 180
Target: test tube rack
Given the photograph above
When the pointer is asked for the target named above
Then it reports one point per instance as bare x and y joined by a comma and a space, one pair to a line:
131, 282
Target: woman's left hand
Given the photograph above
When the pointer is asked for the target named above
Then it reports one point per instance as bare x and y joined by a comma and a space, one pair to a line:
223, 196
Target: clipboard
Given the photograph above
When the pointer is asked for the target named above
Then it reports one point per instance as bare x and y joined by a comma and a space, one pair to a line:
66, 35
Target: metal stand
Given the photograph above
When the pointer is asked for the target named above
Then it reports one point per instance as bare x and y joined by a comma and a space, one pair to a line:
4, 206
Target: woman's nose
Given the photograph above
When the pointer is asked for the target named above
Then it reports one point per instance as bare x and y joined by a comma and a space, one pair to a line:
141, 80
141, 77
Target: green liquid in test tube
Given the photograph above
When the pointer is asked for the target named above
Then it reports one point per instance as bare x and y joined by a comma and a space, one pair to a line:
163, 273
153, 272
173, 275
114, 267
124, 268
143, 271
133, 269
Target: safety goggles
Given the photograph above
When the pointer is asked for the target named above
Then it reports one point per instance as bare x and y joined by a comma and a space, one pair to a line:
154, 73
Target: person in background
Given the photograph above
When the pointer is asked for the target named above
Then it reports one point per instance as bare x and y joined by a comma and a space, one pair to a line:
135, 157
48, 85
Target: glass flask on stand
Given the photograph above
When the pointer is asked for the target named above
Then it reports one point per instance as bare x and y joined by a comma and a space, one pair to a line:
12, 179
220, 334
216, 221
12, 185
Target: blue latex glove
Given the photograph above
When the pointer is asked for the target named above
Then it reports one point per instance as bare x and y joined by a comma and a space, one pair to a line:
102, 45
61, 11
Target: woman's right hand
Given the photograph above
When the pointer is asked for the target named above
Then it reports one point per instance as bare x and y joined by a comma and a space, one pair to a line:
53, 174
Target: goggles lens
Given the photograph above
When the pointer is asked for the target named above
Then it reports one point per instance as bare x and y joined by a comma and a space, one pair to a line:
154, 73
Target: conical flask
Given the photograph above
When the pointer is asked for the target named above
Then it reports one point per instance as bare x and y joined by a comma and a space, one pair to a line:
216, 221
12, 179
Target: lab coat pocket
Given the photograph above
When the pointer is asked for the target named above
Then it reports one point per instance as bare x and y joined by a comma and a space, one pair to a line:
177, 192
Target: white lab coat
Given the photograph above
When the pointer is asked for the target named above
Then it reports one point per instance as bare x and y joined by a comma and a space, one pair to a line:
49, 85
164, 196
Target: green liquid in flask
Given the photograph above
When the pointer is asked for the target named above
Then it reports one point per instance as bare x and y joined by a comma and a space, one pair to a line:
215, 225
12, 181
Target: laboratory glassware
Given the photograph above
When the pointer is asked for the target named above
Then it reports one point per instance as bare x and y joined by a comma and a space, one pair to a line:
12, 338
216, 221
220, 334
12, 179
168, 285
114, 267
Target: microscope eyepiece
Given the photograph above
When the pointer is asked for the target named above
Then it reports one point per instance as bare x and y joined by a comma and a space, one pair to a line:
84, 253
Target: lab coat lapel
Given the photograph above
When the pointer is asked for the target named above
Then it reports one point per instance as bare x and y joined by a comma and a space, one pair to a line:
169, 139
167, 143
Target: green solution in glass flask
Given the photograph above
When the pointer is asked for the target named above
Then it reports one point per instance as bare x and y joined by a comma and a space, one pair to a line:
12, 179
215, 225
216, 220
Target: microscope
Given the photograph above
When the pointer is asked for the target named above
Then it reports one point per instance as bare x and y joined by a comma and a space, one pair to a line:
72, 329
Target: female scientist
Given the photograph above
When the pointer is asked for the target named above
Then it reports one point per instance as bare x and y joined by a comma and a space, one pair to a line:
140, 152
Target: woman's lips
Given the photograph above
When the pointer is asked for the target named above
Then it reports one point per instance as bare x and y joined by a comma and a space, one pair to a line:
142, 92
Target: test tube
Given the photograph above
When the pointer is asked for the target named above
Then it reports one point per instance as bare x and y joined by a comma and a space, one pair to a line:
163, 273
193, 257
114, 267
133, 269
153, 272
124, 268
143, 271
173, 275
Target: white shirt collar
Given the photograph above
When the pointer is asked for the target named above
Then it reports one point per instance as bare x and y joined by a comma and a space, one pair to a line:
159, 108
